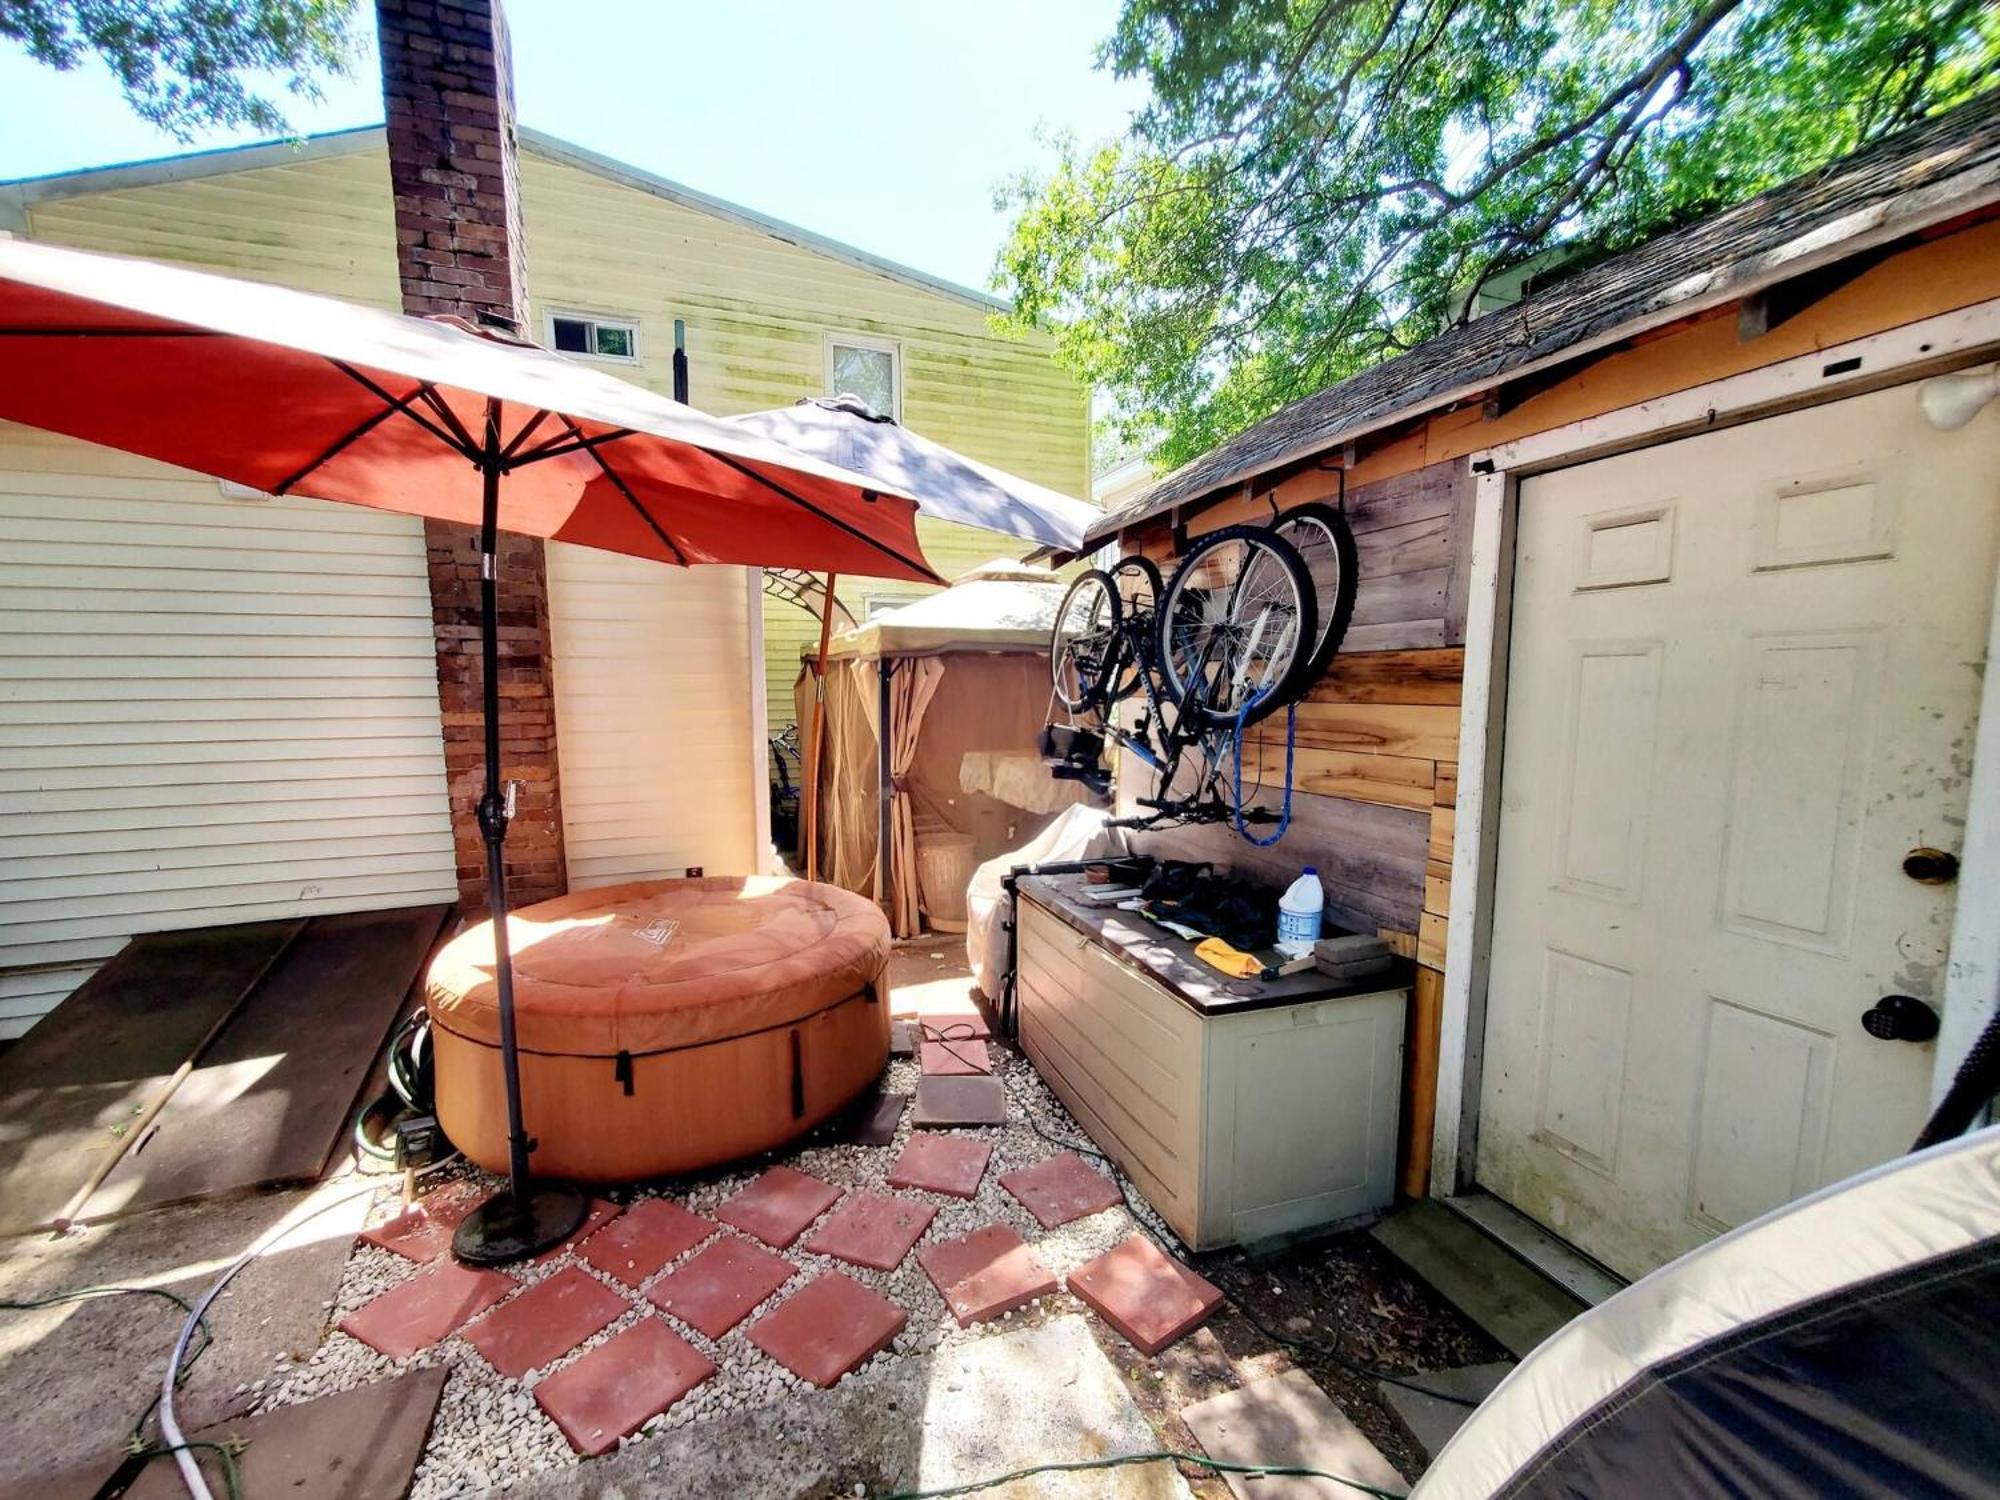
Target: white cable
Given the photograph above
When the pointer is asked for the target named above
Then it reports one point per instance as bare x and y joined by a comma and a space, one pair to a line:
170, 1429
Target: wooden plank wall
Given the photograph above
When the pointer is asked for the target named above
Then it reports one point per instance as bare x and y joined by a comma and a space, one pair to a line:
1375, 752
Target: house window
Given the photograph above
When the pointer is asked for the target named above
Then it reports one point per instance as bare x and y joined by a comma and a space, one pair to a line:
600, 338
869, 368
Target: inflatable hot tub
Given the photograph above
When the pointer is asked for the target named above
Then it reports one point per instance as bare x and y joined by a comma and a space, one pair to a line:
664, 1026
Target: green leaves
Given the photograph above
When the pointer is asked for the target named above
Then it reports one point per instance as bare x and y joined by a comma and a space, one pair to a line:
1318, 184
182, 64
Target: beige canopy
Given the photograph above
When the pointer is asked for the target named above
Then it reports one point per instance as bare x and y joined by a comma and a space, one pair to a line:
963, 677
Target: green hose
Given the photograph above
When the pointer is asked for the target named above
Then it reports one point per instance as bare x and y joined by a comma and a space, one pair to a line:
1220, 1466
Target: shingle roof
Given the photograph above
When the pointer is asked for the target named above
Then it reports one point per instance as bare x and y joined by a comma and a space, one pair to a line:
1921, 176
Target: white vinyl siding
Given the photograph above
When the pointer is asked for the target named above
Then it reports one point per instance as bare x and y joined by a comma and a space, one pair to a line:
653, 674
211, 710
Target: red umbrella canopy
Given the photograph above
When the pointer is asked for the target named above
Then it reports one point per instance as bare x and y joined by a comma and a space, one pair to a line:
292, 393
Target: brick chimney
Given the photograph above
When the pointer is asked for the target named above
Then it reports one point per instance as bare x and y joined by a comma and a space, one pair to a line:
448, 86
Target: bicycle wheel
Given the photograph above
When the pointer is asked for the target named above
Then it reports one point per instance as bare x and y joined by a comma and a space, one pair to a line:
1085, 642
1137, 582
1234, 624
1325, 544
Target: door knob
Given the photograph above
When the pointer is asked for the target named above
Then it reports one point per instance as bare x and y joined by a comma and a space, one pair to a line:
1900, 1018
1929, 866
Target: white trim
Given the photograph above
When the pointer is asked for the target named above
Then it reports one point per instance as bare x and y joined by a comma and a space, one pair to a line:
760, 733
1891, 357
629, 321
872, 341
1972, 970
121, 176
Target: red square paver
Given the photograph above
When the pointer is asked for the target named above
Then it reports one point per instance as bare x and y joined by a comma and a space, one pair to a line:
546, 1321
718, 1288
828, 1327
621, 1384
653, 1231
1144, 1293
986, 1273
1061, 1188
873, 1229
941, 1164
952, 1025
956, 1060
426, 1309
596, 1215
778, 1206
422, 1232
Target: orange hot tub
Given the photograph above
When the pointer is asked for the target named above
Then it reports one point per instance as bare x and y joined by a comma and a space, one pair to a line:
665, 1025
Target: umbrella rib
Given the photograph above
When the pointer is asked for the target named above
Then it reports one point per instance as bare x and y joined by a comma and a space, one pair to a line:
571, 442
449, 417
467, 448
618, 481
528, 429
361, 430
110, 333
822, 513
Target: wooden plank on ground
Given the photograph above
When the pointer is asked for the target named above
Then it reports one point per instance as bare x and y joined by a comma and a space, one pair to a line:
1435, 676
273, 1097
72, 1086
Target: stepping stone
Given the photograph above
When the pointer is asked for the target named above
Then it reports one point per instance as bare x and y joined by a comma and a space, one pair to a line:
828, 1327
546, 1321
956, 1059
621, 1385
1060, 1188
597, 1213
422, 1232
954, 1025
1287, 1420
426, 1309
903, 1038
952, 1164
946, 1102
1149, 1297
636, 1244
778, 1206
873, 1122
361, 1444
1032, 1396
1430, 1420
986, 1273
719, 1288
873, 1229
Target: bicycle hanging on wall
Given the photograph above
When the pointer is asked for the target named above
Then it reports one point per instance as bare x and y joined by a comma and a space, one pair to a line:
1176, 671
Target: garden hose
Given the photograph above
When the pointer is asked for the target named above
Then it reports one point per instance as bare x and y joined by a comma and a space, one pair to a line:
411, 1091
1122, 1460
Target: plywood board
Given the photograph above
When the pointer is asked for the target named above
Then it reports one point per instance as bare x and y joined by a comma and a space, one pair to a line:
1431, 939
1420, 731
71, 1088
274, 1094
1392, 677
1398, 781
1444, 821
1420, 1068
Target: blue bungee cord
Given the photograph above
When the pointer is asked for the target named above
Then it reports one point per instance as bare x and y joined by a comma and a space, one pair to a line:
1236, 753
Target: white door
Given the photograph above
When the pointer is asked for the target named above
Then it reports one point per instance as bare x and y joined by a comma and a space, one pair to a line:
1742, 685
658, 691
212, 709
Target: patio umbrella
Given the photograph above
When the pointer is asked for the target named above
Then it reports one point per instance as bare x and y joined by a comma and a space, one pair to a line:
947, 486
296, 394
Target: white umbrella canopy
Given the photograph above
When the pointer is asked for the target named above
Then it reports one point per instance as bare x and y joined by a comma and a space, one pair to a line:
947, 486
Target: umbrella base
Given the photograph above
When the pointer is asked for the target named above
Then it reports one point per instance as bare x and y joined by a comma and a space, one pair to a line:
506, 1228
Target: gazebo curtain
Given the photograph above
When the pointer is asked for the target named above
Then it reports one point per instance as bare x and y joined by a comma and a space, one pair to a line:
911, 688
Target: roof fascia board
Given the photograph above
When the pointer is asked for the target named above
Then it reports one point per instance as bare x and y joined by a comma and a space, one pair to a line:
200, 164
13, 211
1864, 229
550, 148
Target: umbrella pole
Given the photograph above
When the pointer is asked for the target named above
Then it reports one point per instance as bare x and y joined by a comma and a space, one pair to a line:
521, 1219
816, 724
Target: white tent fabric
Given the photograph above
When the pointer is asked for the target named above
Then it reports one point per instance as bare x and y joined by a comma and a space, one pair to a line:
1000, 605
1078, 834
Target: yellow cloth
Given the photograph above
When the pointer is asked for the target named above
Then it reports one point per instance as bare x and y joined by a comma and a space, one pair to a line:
1219, 955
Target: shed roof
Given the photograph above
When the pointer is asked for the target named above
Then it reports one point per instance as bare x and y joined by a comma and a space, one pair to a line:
1932, 172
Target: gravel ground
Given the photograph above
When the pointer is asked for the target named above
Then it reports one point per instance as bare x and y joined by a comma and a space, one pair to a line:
490, 1433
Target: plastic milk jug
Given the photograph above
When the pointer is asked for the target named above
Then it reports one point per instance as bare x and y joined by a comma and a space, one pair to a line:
1299, 914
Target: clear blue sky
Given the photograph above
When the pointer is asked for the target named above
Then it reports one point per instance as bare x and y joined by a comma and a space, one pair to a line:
886, 125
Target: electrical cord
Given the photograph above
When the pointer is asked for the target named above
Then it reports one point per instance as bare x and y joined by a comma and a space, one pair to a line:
1219, 1465
1144, 1219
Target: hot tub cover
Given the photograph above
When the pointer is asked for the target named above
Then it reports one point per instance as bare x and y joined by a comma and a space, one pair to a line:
662, 964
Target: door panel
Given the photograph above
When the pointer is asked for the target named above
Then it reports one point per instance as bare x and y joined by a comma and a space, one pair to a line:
1743, 678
